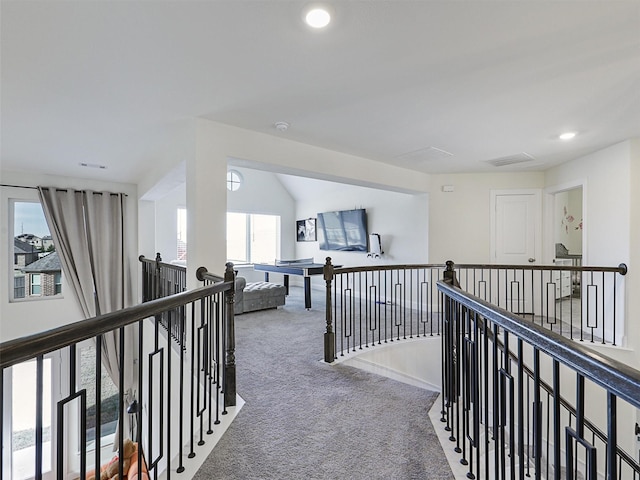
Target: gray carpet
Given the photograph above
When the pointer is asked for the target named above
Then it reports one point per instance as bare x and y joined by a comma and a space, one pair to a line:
304, 419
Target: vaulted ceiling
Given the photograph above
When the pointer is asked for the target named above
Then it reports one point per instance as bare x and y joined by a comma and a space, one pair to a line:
435, 86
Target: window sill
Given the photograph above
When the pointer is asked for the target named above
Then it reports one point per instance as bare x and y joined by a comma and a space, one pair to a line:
37, 298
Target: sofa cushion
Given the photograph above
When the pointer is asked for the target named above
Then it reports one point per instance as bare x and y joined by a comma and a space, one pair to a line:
261, 295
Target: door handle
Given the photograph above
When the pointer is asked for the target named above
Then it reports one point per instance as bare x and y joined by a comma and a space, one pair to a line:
531, 260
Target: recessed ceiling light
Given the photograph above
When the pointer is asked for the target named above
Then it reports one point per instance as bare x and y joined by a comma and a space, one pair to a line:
317, 17
567, 135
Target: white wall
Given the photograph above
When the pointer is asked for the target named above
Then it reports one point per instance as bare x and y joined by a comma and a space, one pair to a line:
166, 223
633, 278
262, 193
606, 208
29, 317
459, 221
611, 209
400, 219
206, 177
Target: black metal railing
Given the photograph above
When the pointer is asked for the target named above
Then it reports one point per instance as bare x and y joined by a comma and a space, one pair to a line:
160, 280
368, 306
175, 397
227, 335
375, 305
581, 303
522, 401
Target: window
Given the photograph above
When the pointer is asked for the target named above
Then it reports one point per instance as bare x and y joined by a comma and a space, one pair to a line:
181, 253
20, 382
252, 238
18, 286
36, 287
57, 283
234, 180
32, 252
109, 396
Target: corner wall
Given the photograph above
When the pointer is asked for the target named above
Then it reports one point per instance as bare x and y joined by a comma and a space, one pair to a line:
206, 178
611, 212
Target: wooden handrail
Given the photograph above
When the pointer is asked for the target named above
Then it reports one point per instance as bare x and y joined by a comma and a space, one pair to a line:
158, 261
621, 269
25, 348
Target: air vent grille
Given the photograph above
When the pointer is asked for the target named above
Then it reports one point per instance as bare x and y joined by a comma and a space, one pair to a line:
426, 154
511, 160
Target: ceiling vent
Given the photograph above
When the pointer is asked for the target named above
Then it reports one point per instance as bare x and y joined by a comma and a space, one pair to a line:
511, 160
425, 155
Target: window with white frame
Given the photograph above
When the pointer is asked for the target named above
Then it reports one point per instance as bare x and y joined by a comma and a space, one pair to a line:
32, 249
20, 419
36, 284
252, 238
181, 253
234, 180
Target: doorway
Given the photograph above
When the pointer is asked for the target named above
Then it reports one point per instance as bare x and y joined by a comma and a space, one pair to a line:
568, 225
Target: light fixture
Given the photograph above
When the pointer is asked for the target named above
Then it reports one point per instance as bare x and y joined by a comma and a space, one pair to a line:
281, 126
567, 135
317, 17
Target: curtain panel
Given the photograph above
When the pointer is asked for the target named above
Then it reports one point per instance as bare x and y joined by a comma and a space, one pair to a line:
88, 230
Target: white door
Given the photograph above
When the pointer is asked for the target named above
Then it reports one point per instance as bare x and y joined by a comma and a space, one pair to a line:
516, 227
516, 240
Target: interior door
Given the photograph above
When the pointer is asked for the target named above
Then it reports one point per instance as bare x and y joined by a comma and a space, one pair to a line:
516, 227
516, 240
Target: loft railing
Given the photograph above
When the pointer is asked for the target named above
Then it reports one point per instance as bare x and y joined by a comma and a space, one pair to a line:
226, 334
179, 394
581, 303
367, 306
160, 280
520, 400
382, 304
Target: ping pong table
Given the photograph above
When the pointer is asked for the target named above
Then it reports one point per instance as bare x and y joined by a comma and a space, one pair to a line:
304, 268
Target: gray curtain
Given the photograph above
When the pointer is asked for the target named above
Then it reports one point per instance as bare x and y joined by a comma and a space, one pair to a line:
88, 229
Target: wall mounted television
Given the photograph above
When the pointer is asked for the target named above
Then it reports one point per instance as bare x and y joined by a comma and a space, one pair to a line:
343, 230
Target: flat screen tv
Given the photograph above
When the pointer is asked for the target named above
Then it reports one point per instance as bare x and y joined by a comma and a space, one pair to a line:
344, 230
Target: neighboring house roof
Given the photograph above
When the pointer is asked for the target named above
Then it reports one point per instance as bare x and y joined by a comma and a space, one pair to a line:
50, 263
23, 247
28, 237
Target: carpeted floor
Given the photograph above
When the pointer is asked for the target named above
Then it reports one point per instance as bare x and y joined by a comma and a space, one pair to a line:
304, 419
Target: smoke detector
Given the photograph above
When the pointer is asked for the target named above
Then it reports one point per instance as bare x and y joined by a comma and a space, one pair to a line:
281, 126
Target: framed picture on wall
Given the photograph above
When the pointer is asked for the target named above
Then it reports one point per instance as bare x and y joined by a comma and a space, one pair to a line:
306, 230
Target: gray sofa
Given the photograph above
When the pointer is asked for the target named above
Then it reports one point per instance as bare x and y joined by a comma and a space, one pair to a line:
257, 296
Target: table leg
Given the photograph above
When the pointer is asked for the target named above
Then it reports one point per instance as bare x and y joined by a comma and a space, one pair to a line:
307, 292
266, 276
286, 284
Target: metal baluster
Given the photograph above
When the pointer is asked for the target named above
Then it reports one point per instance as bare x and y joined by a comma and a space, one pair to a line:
2, 424
39, 402
537, 426
521, 454
192, 416
98, 413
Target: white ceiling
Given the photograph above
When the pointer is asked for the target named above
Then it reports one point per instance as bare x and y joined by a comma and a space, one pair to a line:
116, 82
